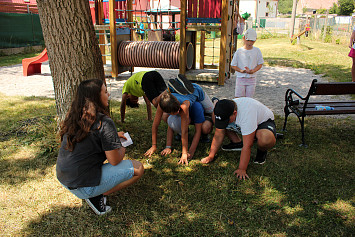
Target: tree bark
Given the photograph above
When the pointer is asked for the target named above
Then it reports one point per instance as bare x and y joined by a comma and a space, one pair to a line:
73, 51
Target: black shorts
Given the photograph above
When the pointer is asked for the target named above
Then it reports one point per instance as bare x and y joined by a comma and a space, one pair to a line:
153, 84
269, 124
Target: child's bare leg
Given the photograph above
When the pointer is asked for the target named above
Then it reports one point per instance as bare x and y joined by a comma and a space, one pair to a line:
266, 139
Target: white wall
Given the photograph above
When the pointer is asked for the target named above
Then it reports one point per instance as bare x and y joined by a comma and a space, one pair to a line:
267, 6
251, 7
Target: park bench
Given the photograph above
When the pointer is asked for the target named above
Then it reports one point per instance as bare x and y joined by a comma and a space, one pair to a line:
304, 106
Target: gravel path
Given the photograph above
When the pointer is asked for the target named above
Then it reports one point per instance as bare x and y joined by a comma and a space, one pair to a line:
272, 83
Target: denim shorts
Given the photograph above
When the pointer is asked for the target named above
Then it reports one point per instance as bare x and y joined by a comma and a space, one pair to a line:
111, 176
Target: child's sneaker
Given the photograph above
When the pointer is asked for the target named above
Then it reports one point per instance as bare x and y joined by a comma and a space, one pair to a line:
214, 100
233, 146
260, 157
234, 127
177, 137
186, 83
177, 87
98, 204
204, 138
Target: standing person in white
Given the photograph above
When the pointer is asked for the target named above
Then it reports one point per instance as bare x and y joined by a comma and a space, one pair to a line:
246, 62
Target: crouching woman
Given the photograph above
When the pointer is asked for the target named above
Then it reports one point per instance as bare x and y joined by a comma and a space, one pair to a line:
89, 137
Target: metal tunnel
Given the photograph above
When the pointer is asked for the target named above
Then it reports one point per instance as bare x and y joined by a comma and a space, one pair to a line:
156, 54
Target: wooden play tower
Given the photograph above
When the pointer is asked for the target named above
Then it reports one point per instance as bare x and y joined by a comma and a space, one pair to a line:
196, 16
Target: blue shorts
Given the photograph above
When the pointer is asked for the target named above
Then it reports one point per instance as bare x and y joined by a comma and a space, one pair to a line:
111, 176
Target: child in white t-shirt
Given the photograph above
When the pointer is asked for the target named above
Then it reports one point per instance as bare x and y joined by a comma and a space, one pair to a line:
246, 62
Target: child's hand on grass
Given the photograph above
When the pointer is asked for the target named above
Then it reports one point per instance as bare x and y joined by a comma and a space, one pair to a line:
207, 160
166, 151
183, 159
241, 174
151, 151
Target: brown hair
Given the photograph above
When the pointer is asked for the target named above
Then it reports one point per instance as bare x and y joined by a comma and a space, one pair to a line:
83, 112
168, 103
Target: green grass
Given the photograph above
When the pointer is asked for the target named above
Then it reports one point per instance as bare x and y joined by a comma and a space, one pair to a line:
298, 192
328, 59
9, 60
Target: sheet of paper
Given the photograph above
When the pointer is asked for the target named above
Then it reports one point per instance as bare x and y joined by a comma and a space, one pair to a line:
127, 142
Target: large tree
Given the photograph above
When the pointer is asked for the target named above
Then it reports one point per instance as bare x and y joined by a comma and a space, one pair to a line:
73, 52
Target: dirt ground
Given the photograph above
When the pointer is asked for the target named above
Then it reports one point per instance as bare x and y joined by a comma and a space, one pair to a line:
272, 83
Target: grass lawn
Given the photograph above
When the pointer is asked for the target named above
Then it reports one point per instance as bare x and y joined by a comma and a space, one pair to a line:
16, 59
302, 192
298, 192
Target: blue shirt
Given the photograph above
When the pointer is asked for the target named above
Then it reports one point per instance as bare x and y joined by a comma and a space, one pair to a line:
196, 113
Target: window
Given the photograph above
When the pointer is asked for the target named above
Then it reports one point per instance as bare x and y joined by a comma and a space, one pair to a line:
266, 14
267, 4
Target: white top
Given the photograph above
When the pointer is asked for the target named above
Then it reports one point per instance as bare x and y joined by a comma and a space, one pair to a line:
247, 58
251, 113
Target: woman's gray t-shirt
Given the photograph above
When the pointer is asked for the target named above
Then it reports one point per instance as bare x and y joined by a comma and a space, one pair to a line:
82, 166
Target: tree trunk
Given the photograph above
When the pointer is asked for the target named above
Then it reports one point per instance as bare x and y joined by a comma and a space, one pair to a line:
73, 52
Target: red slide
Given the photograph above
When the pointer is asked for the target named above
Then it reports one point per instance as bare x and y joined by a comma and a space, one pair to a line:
33, 65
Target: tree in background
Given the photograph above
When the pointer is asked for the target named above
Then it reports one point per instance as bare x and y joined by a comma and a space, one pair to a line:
334, 9
73, 51
285, 6
345, 7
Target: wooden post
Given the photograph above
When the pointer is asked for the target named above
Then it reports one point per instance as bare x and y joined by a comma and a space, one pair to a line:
130, 20
182, 66
294, 7
113, 38
325, 25
223, 47
202, 49
102, 37
314, 29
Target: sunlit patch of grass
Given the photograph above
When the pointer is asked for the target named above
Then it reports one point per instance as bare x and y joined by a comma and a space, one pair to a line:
345, 210
292, 210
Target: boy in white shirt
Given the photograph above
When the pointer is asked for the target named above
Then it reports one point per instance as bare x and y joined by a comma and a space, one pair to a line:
255, 121
246, 62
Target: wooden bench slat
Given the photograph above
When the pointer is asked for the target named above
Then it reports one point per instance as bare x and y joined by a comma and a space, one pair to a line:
342, 110
334, 105
339, 88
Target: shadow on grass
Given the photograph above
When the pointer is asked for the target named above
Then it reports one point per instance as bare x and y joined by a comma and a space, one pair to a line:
27, 142
297, 192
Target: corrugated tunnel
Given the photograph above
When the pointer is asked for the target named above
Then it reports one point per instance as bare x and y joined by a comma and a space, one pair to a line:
156, 54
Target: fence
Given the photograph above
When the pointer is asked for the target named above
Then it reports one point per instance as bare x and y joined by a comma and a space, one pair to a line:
20, 30
340, 26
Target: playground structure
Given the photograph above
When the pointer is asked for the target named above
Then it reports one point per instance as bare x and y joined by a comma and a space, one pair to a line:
305, 31
124, 21
33, 65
